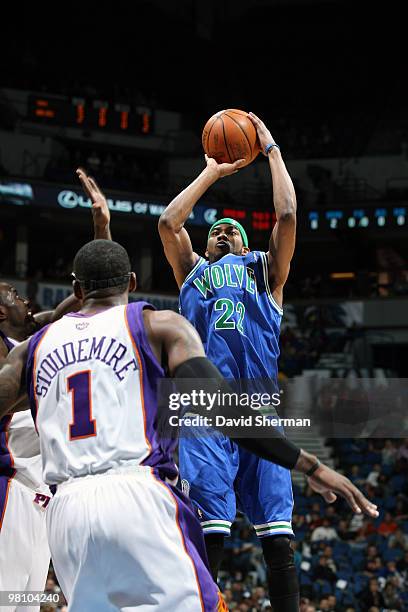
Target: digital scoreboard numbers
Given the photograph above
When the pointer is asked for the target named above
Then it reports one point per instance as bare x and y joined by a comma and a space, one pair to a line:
90, 114
357, 218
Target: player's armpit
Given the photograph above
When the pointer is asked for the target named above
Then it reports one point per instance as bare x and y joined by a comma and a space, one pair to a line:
12, 378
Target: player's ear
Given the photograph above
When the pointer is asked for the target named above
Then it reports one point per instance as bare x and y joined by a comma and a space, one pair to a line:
77, 290
206, 254
245, 250
3, 313
132, 282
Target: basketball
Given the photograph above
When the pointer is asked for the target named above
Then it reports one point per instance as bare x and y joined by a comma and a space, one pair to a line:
230, 135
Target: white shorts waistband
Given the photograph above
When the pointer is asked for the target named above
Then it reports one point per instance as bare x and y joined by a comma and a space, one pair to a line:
140, 472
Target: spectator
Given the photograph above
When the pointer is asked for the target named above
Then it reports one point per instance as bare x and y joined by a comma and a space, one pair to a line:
401, 511
343, 531
389, 453
324, 532
402, 565
374, 475
323, 604
372, 595
328, 553
304, 604
388, 526
393, 575
323, 572
333, 607
391, 599
355, 476
399, 539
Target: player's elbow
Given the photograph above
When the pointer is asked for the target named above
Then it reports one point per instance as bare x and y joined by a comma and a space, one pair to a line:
286, 210
167, 223
288, 214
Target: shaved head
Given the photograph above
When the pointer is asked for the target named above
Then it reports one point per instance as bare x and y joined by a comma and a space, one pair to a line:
16, 320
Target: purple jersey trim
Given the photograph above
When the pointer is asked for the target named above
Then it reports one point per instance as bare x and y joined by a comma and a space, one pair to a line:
162, 448
82, 315
6, 460
4, 490
9, 345
32, 347
193, 538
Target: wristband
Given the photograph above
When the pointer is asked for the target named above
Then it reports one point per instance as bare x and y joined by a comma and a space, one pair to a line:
270, 146
313, 469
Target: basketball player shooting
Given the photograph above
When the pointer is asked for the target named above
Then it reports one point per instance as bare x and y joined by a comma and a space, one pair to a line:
24, 552
121, 537
234, 300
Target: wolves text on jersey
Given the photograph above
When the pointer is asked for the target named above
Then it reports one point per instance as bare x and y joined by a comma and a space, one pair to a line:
230, 275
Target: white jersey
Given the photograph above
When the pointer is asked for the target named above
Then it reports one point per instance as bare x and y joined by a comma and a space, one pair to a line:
24, 552
92, 382
20, 446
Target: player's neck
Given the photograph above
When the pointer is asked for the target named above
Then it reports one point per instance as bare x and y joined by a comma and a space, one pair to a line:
92, 305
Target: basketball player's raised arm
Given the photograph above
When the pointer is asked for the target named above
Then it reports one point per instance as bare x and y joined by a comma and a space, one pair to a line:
100, 208
283, 237
173, 234
101, 225
12, 380
190, 368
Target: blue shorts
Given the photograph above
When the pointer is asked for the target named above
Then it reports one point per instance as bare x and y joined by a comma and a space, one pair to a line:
220, 477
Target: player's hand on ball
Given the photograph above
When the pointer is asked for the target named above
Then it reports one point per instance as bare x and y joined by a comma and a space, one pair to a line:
264, 135
221, 170
100, 208
329, 484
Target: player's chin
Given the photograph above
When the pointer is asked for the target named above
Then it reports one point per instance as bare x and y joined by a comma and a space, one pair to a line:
219, 253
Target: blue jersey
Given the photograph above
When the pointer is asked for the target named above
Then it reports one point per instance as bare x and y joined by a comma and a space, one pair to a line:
230, 304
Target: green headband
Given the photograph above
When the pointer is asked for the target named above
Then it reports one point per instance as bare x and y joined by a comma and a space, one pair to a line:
235, 224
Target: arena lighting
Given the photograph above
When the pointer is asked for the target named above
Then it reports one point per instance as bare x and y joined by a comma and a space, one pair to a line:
342, 275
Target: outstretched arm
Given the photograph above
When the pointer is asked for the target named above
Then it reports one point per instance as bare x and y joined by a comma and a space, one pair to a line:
188, 365
174, 236
101, 224
12, 380
100, 208
283, 237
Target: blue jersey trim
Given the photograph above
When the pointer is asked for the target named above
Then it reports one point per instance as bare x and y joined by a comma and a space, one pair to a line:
266, 279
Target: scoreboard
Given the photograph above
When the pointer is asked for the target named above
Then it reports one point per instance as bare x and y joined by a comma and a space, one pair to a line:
88, 113
352, 218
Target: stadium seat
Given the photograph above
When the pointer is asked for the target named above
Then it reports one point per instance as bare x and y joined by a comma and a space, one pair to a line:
344, 574
392, 554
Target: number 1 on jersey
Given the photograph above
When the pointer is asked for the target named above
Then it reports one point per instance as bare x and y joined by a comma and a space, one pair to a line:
83, 425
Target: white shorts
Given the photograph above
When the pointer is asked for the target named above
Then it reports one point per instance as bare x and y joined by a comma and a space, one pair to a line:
24, 552
124, 540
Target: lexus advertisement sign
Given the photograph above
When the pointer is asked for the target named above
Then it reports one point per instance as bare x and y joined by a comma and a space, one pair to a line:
34, 193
